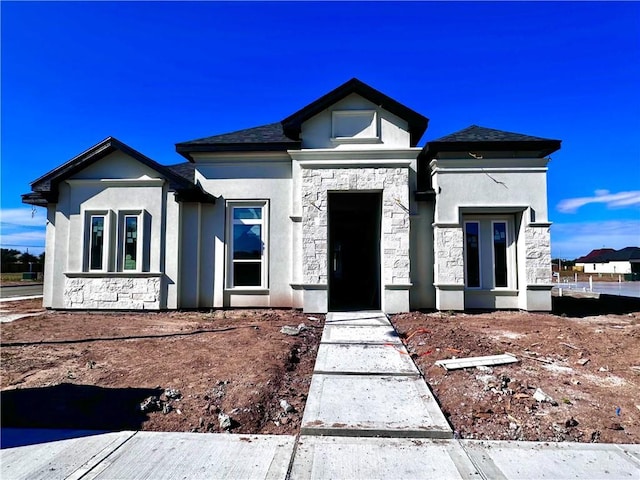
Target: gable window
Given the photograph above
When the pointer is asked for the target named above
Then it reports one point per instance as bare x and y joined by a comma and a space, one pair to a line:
246, 240
97, 243
354, 126
489, 253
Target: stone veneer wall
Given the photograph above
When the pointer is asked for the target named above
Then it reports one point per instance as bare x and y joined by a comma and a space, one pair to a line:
538, 255
449, 255
394, 184
125, 293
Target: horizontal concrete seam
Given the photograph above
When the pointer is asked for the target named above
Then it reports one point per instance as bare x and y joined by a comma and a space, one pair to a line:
387, 433
369, 374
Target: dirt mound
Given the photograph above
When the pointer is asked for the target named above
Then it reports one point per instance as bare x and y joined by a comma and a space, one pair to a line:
94, 370
584, 368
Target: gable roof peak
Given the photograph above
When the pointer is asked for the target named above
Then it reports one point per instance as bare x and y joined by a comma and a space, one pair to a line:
417, 123
45, 188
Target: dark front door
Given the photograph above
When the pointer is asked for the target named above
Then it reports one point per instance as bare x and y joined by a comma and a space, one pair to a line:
354, 251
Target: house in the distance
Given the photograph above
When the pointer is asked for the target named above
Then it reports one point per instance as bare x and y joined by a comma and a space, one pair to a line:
332, 208
608, 260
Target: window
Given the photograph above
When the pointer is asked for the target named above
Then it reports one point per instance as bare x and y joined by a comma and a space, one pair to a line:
115, 241
130, 243
489, 253
472, 263
500, 253
97, 243
246, 239
354, 126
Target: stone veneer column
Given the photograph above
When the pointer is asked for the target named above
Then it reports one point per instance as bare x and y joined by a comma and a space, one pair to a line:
394, 184
448, 272
538, 267
538, 255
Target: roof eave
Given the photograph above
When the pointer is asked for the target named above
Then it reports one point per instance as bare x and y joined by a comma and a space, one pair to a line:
195, 194
38, 199
542, 147
187, 149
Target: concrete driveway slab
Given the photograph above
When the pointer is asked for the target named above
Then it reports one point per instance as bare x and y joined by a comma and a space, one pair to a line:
59, 459
364, 359
557, 461
362, 405
363, 334
357, 318
159, 455
365, 458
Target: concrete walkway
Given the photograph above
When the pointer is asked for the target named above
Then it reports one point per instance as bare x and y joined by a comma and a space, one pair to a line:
365, 384
369, 415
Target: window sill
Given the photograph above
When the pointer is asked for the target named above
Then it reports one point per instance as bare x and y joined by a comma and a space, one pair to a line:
127, 274
501, 292
247, 291
355, 140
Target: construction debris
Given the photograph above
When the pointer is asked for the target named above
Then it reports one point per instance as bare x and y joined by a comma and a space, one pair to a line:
293, 331
540, 396
470, 362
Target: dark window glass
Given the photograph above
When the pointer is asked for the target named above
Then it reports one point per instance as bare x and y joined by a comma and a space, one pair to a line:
240, 213
500, 253
473, 254
130, 242
247, 274
247, 242
97, 243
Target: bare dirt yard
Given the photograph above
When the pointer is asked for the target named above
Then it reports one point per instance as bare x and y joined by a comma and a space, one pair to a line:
93, 370
586, 361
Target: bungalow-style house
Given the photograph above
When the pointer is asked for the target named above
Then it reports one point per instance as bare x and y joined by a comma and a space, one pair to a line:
332, 208
610, 261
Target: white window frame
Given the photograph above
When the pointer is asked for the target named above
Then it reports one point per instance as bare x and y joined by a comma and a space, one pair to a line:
113, 244
483, 222
372, 133
140, 240
264, 260
106, 240
507, 253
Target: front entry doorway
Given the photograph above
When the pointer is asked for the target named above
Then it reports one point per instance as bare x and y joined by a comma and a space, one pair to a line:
354, 250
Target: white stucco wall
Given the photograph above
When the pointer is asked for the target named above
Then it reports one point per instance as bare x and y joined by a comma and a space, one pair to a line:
511, 188
260, 176
501, 183
392, 130
115, 185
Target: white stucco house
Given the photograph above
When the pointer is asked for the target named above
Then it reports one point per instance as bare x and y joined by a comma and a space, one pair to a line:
333, 208
610, 261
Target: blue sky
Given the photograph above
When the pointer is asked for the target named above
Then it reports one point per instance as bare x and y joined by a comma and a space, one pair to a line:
156, 73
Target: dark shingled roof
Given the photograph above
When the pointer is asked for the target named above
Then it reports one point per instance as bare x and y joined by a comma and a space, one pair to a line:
269, 137
476, 138
417, 123
271, 133
45, 188
185, 169
475, 133
605, 255
285, 135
